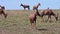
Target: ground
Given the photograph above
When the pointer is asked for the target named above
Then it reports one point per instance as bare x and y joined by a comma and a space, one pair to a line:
17, 22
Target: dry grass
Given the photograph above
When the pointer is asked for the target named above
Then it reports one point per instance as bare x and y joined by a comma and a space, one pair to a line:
17, 22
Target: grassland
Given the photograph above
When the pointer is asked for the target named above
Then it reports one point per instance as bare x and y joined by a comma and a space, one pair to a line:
17, 22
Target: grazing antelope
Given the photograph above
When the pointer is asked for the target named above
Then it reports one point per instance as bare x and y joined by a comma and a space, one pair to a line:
33, 17
25, 6
48, 12
2, 8
36, 6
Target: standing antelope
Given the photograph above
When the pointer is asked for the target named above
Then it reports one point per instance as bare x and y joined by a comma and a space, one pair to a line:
33, 17
25, 6
36, 6
2, 8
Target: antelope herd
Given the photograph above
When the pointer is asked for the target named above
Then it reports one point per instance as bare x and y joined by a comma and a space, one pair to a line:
32, 17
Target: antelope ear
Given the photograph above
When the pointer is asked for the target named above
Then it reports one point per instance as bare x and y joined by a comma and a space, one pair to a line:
39, 3
3, 7
0, 5
21, 3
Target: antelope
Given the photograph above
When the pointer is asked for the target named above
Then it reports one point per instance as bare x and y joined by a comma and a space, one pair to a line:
25, 6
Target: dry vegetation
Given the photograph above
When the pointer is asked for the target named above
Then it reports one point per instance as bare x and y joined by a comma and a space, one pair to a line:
17, 22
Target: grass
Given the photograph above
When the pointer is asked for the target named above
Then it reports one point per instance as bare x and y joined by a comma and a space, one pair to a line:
17, 22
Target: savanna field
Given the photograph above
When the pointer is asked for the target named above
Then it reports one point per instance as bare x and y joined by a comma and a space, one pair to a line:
17, 22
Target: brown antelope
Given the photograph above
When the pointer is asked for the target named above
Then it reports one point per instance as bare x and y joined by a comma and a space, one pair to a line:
36, 6
2, 8
25, 6
33, 17
48, 12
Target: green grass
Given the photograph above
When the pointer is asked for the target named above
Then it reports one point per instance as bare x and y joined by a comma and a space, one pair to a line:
17, 22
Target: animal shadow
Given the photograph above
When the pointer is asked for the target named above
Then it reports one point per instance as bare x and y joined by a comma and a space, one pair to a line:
42, 29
